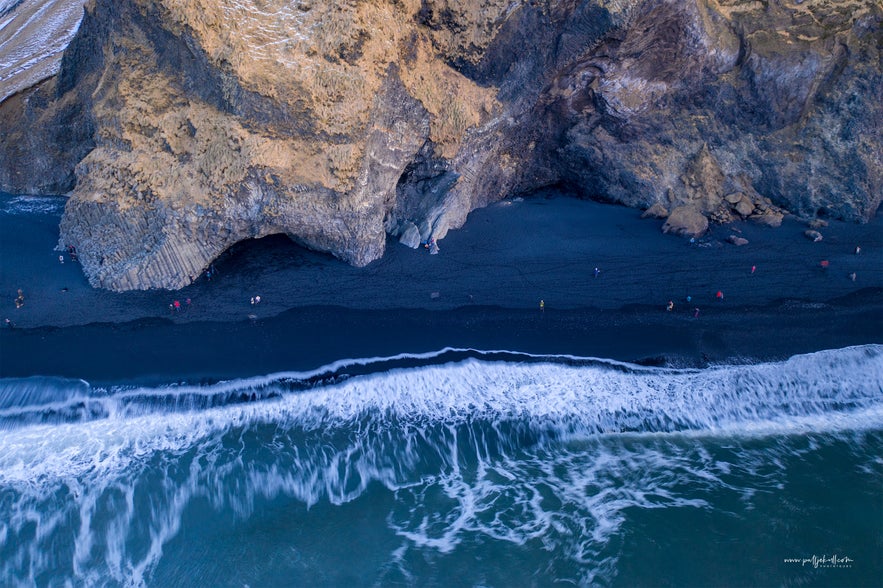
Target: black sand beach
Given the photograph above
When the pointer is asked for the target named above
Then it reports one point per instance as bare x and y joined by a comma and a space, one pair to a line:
481, 291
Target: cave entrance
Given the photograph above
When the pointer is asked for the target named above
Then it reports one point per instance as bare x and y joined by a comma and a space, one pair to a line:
273, 254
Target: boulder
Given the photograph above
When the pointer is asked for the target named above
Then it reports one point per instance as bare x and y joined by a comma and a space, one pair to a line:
744, 207
737, 240
686, 221
769, 218
656, 211
410, 236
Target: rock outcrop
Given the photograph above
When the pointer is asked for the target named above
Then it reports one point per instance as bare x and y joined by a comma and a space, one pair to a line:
182, 127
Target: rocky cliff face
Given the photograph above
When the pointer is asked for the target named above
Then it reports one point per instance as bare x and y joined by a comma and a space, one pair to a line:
183, 127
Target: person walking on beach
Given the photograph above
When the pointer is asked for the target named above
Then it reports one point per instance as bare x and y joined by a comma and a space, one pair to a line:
670, 306
177, 305
61, 259
596, 272
696, 313
9, 324
719, 295
20, 299
753, 269
858, 250
542, 305
852, 276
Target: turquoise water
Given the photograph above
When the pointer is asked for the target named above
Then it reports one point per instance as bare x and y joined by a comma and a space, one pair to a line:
457, 468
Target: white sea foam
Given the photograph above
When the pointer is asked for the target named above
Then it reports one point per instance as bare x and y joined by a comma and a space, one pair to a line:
547, 451
821, 392
25, 205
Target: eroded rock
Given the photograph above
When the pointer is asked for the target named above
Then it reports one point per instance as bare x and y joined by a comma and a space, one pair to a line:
769, 219
180, 128
744, 207
410, 236
686, 221
656, 211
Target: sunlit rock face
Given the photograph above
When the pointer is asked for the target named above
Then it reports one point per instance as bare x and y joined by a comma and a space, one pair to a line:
181, 127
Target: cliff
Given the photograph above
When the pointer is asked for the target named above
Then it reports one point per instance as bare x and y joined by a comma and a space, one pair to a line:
182, 127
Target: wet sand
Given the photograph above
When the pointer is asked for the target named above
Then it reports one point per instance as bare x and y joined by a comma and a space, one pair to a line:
482, 291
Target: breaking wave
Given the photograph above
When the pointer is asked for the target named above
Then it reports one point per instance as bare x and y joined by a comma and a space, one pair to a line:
25, 205
520, 449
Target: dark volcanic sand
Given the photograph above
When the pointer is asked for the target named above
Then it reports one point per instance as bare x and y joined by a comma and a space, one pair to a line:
482, 291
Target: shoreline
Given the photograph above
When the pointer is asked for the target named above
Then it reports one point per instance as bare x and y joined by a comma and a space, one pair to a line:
482, 291
158, 351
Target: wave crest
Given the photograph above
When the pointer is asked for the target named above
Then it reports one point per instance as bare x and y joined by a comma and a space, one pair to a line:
518, 448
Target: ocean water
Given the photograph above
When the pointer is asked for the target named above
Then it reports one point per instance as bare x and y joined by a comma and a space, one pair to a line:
455, 468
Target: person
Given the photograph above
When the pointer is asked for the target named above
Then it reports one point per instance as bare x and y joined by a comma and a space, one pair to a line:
696, 312
858, 250
61, 259
177, 305
597, 272
670, 306
252, 300
9, 324
824, 263
542, 305
753, 268
257, 299
852, 276
689, 298
20, 299
719, 295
